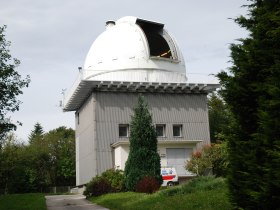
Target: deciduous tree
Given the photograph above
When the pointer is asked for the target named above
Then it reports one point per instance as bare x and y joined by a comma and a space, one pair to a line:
13, 178
61, 147
219, 118
48, 160
11, 84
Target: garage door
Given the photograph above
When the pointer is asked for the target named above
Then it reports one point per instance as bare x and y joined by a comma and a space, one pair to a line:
177, 158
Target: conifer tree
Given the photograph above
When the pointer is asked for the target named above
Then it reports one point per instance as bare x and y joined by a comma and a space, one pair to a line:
36, 134
252, 91
143, 159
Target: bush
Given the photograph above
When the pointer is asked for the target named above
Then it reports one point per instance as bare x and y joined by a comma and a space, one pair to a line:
148, 184
199, 162
116, 179
210, 158
98, 186
110, 181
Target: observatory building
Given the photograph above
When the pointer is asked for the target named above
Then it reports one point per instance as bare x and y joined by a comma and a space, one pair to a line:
130, 57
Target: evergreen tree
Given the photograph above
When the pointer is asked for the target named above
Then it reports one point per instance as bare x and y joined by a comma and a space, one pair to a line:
36, 134
38, 151
143, 159
252, 90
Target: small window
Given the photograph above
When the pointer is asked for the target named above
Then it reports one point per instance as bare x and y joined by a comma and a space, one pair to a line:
160, 130
123, 130
177, 130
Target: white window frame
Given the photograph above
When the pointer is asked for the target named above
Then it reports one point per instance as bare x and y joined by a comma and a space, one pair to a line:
126, 126
163, 129
180, 126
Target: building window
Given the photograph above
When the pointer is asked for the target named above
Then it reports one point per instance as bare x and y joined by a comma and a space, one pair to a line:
177, 130
123, 130
160, 130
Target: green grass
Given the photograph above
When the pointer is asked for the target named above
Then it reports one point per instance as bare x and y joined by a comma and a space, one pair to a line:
29, 201
205, 193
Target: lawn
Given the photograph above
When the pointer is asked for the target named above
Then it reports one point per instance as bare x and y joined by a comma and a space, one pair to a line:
207, 193
29, 201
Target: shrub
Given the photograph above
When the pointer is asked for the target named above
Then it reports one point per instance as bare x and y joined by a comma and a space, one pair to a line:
148, 184
220, 160
115, 178
200, 161
98, 186
210, 158
110, 181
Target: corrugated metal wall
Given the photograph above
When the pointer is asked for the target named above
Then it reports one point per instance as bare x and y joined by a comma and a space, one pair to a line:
86, 166
113, 108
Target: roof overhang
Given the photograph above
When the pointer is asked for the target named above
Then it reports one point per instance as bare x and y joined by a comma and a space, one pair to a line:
161, 142
84, 88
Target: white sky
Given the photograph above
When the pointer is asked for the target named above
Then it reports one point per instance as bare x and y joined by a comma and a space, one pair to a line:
51, 38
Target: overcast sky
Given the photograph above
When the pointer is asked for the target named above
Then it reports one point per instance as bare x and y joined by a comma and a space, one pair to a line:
51, 38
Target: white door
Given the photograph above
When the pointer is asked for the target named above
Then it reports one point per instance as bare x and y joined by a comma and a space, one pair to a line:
177, 157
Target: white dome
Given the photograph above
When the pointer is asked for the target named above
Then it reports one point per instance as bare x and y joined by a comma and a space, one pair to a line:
135, 50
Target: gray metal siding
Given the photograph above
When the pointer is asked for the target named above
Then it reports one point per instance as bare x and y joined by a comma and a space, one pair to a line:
169, 109
102, 113
85, 145
113, 108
